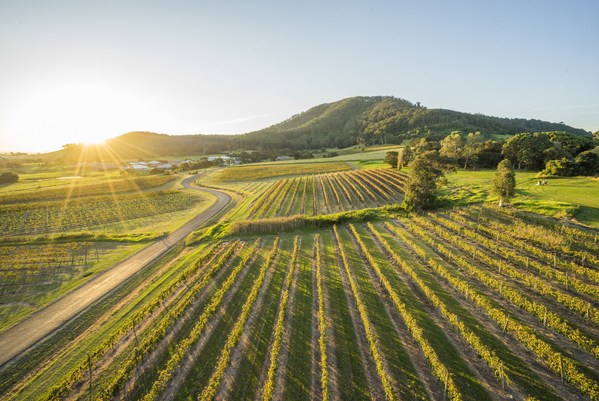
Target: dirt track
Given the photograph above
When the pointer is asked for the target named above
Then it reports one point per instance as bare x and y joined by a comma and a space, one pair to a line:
45, 321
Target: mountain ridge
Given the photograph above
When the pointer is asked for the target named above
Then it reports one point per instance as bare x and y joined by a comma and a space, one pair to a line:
340, 124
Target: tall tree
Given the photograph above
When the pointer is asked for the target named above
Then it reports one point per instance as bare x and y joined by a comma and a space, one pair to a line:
421, 145
527, 150
386, 119
427, 169
504, 183
391, 158
406, 156
452, 146
472, 147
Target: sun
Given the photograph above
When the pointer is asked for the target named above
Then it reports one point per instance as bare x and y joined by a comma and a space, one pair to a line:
94, 139
51, 115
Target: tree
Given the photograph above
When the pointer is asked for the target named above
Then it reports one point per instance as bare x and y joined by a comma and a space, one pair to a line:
421, 145
406, 156
559, 167
570, 143
504, 182
391, 158
527, 150
587, 163
473, 145
385, 120
452, 146
361, 143
462, 150
427, 170
489, 155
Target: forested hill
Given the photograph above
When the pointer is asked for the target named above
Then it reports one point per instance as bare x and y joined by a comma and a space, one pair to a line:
339, 124
387, 119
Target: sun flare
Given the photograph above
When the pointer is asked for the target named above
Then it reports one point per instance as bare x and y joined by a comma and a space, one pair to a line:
94, 140
80, 110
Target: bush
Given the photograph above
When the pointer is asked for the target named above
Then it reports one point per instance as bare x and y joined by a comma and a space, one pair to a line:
391, 158
8, 178
587, 163
561, 167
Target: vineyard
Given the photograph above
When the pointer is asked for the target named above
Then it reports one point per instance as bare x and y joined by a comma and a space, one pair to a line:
438, 306
262, 171
470, 303
35, 269
77, 214
322, 193
31, 275
76, 190
79, 207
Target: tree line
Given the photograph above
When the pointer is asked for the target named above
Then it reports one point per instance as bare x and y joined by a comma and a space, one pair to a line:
555, 153
550, 153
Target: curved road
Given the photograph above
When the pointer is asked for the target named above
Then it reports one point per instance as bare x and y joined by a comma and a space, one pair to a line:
45, 321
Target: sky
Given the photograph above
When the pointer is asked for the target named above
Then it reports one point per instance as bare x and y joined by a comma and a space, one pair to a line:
85, 71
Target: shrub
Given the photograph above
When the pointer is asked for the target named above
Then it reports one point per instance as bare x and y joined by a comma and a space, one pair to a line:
8, 177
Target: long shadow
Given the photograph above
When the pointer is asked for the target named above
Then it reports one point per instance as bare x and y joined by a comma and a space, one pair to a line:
588, 215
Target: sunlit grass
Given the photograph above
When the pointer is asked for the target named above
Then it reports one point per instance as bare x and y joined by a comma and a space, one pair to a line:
568, 197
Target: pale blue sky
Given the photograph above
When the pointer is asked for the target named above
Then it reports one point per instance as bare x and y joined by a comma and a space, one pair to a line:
74, 71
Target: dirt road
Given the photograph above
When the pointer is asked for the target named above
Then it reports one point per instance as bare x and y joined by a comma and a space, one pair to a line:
43, 322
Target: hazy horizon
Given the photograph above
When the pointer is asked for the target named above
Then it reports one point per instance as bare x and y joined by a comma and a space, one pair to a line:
77, 72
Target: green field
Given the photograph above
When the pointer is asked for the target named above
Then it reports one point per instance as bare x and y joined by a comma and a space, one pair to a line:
574, 197
341, 296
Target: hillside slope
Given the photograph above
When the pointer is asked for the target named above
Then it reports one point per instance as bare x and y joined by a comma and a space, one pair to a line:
380, 119
387, 119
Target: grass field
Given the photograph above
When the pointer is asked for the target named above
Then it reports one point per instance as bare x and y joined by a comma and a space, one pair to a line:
574, 197
36, 176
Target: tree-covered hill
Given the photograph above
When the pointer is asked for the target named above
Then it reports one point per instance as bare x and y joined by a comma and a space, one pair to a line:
372, 120
387, 119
